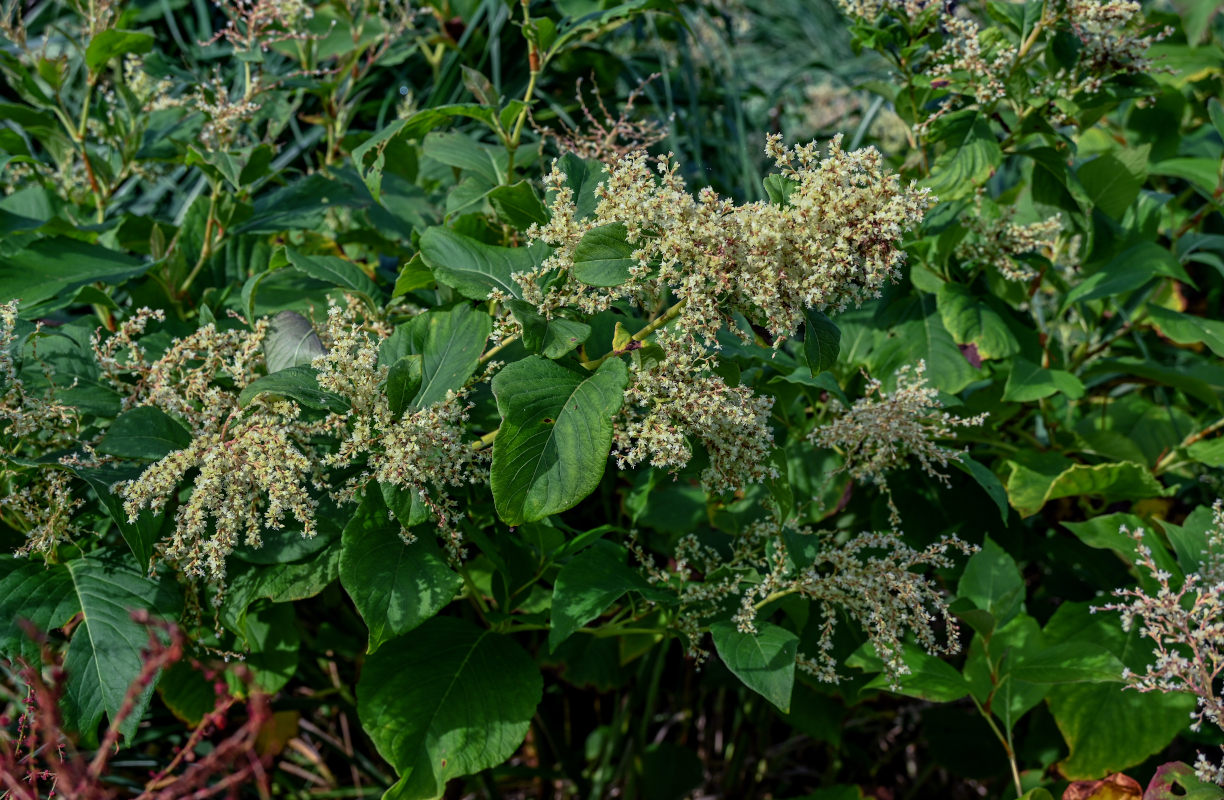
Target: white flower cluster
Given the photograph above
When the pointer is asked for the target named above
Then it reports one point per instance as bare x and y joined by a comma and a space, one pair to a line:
1186, 626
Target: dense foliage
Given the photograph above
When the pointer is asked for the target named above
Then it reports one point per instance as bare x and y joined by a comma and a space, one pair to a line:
381, 410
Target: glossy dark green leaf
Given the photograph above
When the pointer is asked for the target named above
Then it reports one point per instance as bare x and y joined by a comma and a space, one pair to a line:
555, 435
474, 268
1113, 179
764, 661
334, 270
449, 341
395, 585
403, 382
993, 582
296, 383
146, 433
518, 205
604, 256
587, 586
446, 700
821, 342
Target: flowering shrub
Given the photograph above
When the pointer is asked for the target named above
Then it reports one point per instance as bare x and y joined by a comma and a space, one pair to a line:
334, 340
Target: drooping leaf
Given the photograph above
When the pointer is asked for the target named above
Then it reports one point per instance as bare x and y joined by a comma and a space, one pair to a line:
291, 341
1189, 329
764, 661
555, 435
449, 341
928, 678
395, 585
987, 480
1128, 271
447, 700
404, 379
145, 432
821, 341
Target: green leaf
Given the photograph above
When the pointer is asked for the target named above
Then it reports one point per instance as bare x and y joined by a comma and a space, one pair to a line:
1189, 539
140, 535
518, 205
1105, 533
280, 583
821, 341
582, 177
395, 585
105, 654
334, 270
916, 332
1068, 662
291, 341
447, 700
113, 43
587, 585
296, 383
273, 644
1127, 272
1189, 329
764, 661
1032, 486
414, 275
929, 678
473, 268
604, 256
555, 435
145, 433
552, 338
404, 380
1027, 382
449, 341
779, 188
46, 274
971, 154
370, 157
1113, 180
34, 592
993, 582
1108, 729
987, 480
971, 320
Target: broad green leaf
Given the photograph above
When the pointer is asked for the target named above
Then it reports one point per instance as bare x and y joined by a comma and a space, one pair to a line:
395, 585
986, 479
1189, 329
1068, 662
821, 342
993, 582
113, 43
447, 700
404, 379
33, 592
140, 535
272, 644
46, 274
555, 435
1105, 533
105, 654
970, 155
1202, 173
916, 332
779, 188
518, 205
370, 157
1113, 180
146, 433
462, 152
1127, 272
582, 177
296, 383
334, 270
587, 585
291, 341
414, 275
604, 256
1048, 478
280, 583
764, 661
1027, 382
970, 319
1189, 539
929, 678
449, 341
551, 338
473, 268
1107, 728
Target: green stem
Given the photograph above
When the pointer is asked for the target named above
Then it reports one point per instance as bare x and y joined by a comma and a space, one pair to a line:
206, 248
640, 336
1011, 756
509, 340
